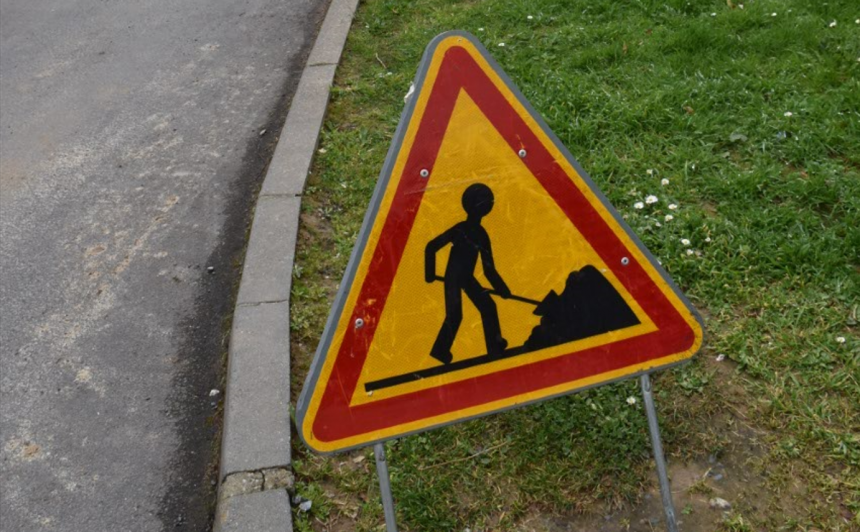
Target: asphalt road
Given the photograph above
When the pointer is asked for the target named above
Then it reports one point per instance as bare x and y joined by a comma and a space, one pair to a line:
130, 153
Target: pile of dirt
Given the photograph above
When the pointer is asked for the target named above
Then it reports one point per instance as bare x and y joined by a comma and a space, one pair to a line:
589, 305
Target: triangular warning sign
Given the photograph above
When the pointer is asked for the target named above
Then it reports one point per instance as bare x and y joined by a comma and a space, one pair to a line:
490, 272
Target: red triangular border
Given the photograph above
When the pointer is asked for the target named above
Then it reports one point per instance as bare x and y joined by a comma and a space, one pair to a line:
336, 420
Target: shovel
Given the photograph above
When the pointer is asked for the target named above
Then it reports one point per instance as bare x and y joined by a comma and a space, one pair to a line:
495, 293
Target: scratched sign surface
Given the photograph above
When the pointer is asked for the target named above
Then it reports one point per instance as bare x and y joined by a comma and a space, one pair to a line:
490, 272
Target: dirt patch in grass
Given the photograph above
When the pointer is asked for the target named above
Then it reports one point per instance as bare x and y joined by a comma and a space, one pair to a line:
735, 475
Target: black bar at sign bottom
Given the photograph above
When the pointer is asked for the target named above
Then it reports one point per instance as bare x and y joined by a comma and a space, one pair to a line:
412, 376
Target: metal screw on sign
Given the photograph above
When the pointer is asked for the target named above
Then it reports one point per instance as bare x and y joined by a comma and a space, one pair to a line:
522, 154
359, 323
625, 261
424, 173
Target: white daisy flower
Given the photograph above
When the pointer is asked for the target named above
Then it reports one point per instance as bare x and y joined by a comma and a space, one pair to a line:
685, 241
690, 252
651, 199
713, 14
530, 17
502, 45
649, 171
638, 205
707, 239
672, 206
631, 400
773, 14
480, 29
658, 224
788, 114
669, 218
832, 24
664, 181
840, 339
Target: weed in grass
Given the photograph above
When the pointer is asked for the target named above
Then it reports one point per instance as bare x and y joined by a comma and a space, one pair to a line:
735, 522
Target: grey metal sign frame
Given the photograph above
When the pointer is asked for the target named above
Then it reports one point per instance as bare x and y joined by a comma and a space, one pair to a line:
312, 378
359, 249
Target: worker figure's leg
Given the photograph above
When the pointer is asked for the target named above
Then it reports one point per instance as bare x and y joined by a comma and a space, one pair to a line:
489, 316
453, 316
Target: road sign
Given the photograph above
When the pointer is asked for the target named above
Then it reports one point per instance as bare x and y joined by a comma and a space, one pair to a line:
490, 272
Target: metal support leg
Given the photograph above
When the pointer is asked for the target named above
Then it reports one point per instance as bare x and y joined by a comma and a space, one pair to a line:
385, 487
654, 428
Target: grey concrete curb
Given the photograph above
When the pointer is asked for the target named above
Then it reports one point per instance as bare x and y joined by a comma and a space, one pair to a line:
255, 475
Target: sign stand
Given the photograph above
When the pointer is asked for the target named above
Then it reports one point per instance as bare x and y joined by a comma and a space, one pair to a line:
468, 140
657, 447
385, 487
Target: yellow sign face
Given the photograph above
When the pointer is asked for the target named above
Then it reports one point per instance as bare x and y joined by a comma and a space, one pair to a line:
490, 272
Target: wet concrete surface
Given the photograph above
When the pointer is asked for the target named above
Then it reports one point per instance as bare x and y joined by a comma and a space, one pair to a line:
130, 154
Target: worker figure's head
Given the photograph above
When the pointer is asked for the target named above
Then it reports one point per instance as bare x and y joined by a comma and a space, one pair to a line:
478, 200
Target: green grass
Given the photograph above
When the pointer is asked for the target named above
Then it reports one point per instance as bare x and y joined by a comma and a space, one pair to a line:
638, 92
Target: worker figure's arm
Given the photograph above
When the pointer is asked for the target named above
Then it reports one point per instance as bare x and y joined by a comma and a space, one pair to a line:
430, 253
490, 271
